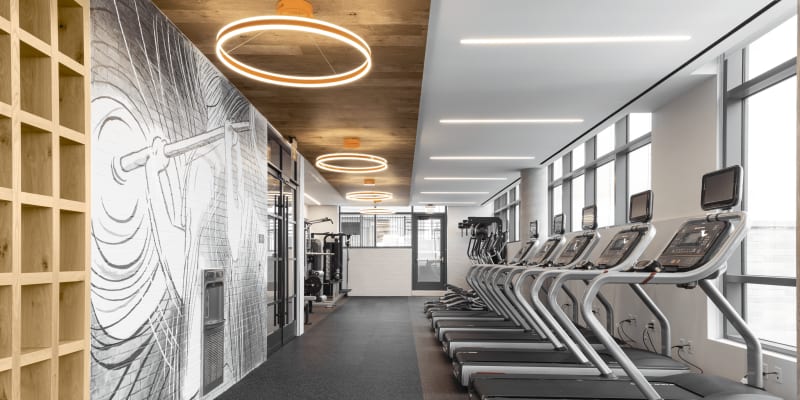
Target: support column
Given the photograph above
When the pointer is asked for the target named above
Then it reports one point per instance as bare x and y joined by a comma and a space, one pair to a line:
533, 200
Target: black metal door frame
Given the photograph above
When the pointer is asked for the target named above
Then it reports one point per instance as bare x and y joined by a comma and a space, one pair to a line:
442, 283
284, 332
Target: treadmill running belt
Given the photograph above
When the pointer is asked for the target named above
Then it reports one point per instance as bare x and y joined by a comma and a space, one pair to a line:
571, 388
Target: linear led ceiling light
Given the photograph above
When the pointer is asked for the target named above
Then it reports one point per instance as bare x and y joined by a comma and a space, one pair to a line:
453, 192
313, 200
444, 203
576, 40
368, 195
333, 162
480, 158
508, 121
295, 16
461, 178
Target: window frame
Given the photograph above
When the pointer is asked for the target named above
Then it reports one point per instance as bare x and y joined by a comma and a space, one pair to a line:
502, 204
591, 162
374, 229
735, 90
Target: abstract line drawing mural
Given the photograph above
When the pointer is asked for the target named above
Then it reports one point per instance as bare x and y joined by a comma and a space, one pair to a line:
179, 165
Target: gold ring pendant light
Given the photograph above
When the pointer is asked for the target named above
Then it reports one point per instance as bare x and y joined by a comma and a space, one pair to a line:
375, 210
332, 162
368, 195
295, 16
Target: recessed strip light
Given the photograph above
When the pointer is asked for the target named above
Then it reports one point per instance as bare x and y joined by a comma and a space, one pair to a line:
481, 158
509, 121
453, 192
444, 203
313, 200
577, 40
462, 178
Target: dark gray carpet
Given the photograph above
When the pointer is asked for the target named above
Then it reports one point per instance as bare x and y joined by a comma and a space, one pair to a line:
364, 350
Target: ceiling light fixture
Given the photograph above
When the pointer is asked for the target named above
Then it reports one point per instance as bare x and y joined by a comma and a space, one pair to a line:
576, 40
453, 192
331, 162
461, 178
375, 210
481, 158
509, 121
368, 195
313, 200
369, 182
295, 16
444, 203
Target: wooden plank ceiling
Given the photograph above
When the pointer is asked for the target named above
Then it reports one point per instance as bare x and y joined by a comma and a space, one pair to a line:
381, 109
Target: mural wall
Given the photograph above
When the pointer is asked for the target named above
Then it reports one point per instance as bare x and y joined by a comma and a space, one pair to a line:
179, 157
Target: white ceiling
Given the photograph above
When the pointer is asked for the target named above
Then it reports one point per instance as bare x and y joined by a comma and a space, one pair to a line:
552, 81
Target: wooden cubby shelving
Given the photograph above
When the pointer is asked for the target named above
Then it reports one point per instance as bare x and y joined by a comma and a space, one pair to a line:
5, 323
70, 376
6, 169
37, 160
6, 241
36, 317
37, 246
70, 29
73, 230
35, 381
45, 151
70, 312
73, 161
70, 99
34, 18
5, 12
35, 81
5, 67
5, 385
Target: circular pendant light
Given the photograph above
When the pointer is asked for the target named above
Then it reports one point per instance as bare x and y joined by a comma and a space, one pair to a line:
332, 162
368, 195
293, 24
376, 211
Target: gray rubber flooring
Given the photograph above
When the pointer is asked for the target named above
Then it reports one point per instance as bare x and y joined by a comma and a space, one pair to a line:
366, 349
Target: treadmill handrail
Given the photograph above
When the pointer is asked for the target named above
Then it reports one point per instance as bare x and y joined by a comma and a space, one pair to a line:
712, 267
561, 277
540, 277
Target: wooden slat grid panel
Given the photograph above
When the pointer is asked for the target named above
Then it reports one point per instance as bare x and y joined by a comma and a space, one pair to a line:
44, 199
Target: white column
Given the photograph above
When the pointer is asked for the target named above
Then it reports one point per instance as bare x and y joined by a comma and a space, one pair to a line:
533, 200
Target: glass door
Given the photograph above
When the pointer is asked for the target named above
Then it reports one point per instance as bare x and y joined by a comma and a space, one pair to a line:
429, 252
282, 260
276, 264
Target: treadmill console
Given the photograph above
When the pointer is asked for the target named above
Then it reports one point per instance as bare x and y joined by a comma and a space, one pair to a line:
572, 250
693, 245
618, 249
544, 252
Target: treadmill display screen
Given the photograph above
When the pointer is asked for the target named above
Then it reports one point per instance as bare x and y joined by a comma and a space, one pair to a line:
692, 239
533, 231
640, 207
558, 224
618, 244
589, 221
721, 188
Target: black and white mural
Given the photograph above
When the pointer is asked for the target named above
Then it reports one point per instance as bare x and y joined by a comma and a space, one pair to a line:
178, 186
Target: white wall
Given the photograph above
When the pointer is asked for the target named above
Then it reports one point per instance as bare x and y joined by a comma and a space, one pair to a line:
380, 272
457, 262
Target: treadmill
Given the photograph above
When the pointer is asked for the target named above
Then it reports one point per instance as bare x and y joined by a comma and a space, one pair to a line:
539, 338
696, 255
579, 245
621, 253
485, 315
